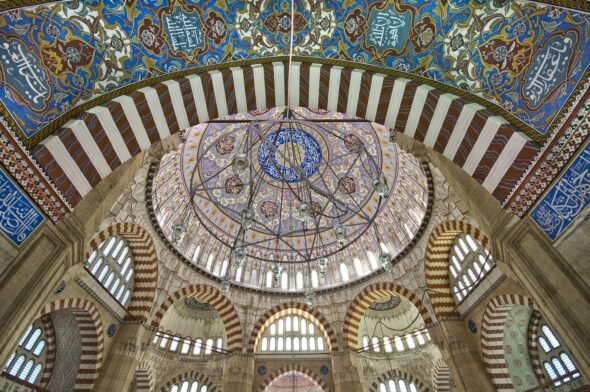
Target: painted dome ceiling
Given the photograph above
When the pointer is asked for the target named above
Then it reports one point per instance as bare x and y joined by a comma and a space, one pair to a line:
212, 225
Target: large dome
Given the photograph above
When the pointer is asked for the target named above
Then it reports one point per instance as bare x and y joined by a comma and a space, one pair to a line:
334, 156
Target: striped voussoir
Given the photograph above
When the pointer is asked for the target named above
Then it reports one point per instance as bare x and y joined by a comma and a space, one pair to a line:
492, 338
50, 349
442, 376
394, 373
91, 338
226, 311
368, 296
145, 263
191, 376
436, 263
533, 340
298, 309
277, 373
143, 378
89, 147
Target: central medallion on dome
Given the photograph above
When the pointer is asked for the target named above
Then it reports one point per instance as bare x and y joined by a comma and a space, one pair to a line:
290, 155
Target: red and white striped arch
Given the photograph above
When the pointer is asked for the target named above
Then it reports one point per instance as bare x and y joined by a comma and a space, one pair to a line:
292, 368
145, 264
394, 373
298, 309
191, 376
224, 308
442, 376
492, 338
91, 338
365, 298
436, 263
88, 148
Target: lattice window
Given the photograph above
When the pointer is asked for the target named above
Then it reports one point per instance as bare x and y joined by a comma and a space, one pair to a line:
292, 333
189, 386
112, 265
398, 385
469, 263
557, 363
188, 346
28, 359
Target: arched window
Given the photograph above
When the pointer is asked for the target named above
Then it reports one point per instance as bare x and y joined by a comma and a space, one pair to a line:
399, 345
299, 280
26, 361
344, 272
264, 344
387, 344
209, 264
196, 254
315, 282
269, 279
398, 385
293, 333
198, 346
284, 280
469, 263
375, 344
557, 363
365, 343
189, 386
358, 267
239, 273
114, 261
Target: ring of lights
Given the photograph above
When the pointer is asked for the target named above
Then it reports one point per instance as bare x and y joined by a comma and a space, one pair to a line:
328, 165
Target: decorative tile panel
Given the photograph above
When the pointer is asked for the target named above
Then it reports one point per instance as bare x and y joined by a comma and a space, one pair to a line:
567, 199
19, 217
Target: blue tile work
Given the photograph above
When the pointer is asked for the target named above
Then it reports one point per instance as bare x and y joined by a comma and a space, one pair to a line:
524, 56
566, 199
19, 217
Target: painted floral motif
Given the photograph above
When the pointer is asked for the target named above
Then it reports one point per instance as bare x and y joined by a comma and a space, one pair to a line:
150, 35
216, 28
269, 209
353, 143
423, 34
67, 56
346, 185
225, 145
355, 25
234, 185
282, 23
511, 56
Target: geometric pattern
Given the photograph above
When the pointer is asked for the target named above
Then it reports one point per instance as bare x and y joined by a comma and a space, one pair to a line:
191, 376
293, 308
394, 373
224, 308
91, 337
366, 298
291, 368
436, 264
442, 376
145, 264
492, 338
89, 147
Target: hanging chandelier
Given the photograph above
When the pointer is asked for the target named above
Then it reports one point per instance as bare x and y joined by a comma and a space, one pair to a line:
298, 188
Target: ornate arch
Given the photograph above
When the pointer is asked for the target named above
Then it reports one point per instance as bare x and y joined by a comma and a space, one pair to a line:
50, 349
298, 309
533, 344
190, 375
394, 373
92, 341
492, 337
291, 368
145, 264
365, 298
436, 263
442, 376
226, 311
125, 122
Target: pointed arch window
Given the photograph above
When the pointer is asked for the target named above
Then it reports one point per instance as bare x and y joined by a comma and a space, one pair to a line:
469, 262
111, 264
26, 362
